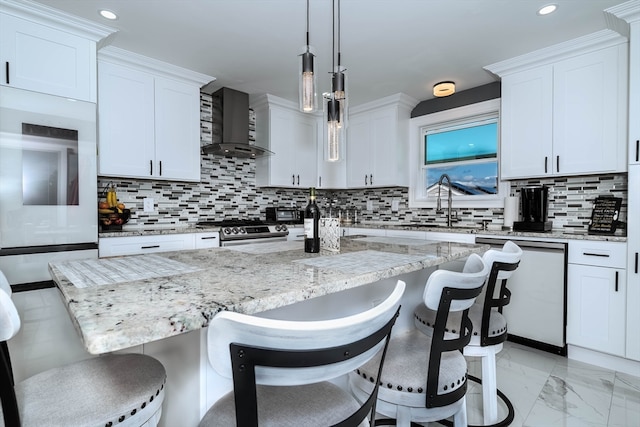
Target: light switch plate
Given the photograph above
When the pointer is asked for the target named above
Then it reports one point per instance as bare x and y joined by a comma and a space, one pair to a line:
369, 205
395, 205
148, 204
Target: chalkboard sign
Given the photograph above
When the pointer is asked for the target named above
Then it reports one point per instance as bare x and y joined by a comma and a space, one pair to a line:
604, 218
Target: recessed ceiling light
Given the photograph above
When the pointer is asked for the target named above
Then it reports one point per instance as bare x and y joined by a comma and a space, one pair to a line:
545, 10
107, 14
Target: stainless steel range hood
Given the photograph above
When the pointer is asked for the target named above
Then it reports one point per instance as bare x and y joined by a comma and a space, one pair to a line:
231, 112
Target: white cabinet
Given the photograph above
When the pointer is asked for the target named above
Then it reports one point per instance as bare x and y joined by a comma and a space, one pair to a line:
210, 239
133, 245
291, 136
565, 114
48, 53
634, 93
148, 118
633, 264
378, 143
596, 296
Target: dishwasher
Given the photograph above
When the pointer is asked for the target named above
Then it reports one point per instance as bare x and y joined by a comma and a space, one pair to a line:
536, 314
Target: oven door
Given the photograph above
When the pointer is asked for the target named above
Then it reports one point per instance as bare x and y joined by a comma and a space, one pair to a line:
48, 194
227, 243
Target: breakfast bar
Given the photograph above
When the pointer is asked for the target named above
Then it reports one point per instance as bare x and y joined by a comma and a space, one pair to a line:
160, 304
121, 302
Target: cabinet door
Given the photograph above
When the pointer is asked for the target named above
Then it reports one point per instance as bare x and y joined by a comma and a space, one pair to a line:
382, 148
305, 149
634, 94
43, 59
633, 264
359, 151
526, 123
281, 139
587, 106
596, 299
125, 122
177, 130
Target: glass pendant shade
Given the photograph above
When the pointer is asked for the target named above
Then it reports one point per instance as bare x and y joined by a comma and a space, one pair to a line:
307, 90
334, 129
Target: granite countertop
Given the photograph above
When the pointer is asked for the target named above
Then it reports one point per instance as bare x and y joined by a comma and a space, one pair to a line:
556, 234
121, 302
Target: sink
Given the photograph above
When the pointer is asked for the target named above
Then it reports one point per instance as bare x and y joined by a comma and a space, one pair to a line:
443, 227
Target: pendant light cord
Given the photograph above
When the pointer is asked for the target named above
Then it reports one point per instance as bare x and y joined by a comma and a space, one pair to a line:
307, 25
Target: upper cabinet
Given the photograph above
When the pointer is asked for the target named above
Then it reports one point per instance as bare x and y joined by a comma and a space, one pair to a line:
46, 51
148, 118
564, 109
292, 137
377, 143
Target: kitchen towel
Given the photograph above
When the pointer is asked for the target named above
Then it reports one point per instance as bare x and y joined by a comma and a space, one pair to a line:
510, 210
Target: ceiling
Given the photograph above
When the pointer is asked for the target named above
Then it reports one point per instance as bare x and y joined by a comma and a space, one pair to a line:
387, 46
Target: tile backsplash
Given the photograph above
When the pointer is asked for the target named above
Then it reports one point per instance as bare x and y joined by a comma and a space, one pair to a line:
227, 191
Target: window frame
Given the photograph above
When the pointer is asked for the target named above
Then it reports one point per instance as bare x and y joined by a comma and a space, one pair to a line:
443, 119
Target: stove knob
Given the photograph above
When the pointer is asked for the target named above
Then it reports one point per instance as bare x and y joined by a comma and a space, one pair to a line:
278, 227
227, 230
283, 228
242, 230
235, 230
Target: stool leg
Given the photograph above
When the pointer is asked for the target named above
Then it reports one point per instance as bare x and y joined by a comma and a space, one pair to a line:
460, 417
489, 388
403, 416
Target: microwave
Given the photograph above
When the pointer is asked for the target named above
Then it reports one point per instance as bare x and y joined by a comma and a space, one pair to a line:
289, 215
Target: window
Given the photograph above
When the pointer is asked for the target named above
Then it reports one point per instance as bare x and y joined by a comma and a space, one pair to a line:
462, 143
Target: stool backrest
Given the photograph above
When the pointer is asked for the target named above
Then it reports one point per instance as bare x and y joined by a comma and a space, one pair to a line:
448, 292
254, 350
496, 295
4, 284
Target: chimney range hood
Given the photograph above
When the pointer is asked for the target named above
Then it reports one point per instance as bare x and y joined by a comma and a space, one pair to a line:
231, 113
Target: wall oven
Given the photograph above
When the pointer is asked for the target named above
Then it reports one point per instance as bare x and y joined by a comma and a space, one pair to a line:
48, 182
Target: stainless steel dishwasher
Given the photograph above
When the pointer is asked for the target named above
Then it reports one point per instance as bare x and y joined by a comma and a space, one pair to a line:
536, 315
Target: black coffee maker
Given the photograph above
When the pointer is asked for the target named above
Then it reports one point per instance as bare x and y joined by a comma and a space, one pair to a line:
533, 204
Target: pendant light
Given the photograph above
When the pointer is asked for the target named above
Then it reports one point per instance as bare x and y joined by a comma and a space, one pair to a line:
307, 90
336, 100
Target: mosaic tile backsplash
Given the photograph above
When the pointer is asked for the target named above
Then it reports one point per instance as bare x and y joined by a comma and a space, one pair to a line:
228, 191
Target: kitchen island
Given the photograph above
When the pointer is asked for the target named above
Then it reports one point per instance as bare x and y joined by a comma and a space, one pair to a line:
160, 304
122, 302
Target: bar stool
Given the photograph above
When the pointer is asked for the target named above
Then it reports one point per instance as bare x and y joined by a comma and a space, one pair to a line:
489, 327
119, 389
425, 377
281, 369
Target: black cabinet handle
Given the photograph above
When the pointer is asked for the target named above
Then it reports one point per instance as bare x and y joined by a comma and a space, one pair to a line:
592, 254
365, 180
637, 140
160, 167
546, 161
636, 269
557, 163
319, 181
6, 68
298, 180
150, 247
617, 281
208, 238
371, 179
293, 179
150, 167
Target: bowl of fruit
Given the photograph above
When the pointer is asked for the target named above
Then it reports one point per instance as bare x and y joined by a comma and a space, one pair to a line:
112, 214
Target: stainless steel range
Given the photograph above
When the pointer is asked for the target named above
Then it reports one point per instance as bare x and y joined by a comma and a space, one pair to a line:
242, 232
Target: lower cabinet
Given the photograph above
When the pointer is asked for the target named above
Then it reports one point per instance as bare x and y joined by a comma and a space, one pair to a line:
132, 245
207, 240
295, 233
596, 296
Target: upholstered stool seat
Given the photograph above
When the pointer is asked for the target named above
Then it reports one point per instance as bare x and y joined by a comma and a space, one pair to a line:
425, 377
304, 405
110, 390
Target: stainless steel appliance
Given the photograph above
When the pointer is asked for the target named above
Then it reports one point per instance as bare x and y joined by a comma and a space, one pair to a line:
48, 183
536, 314
284, 215
242, 232
534, 207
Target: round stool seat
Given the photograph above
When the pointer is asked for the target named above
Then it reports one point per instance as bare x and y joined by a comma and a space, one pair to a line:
116, 389
304, 405
425, 319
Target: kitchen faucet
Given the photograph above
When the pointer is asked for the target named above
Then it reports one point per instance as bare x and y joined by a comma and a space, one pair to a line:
449, 199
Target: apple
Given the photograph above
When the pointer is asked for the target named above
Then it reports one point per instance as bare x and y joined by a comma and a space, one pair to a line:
103, 205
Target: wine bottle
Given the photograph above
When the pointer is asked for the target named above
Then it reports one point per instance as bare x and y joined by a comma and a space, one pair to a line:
311, 224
